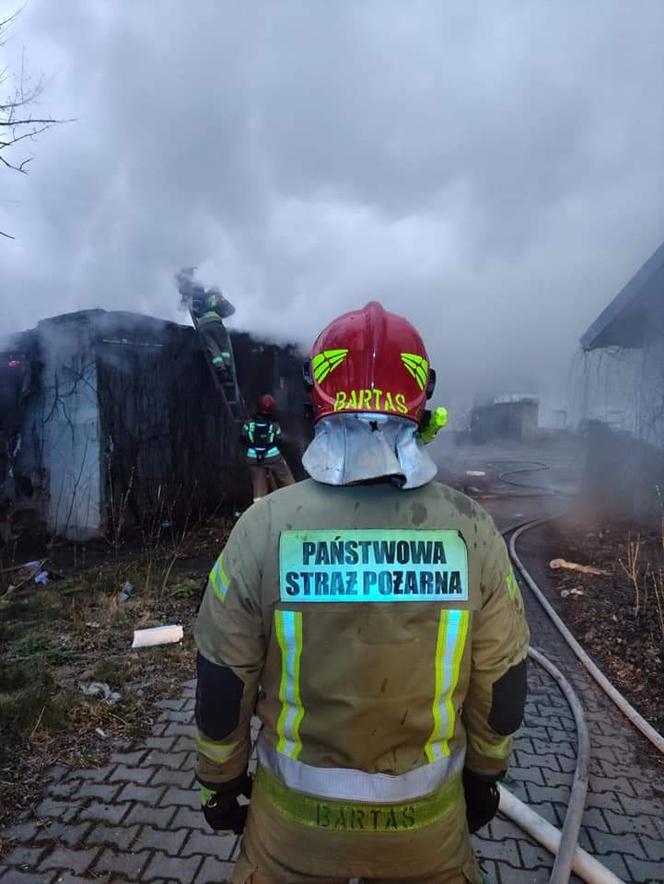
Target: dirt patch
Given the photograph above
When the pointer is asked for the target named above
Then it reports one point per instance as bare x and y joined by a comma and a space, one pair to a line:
78, 630
618, 616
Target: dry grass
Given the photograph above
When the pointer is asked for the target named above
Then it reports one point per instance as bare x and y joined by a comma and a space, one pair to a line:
632, 568
78, 630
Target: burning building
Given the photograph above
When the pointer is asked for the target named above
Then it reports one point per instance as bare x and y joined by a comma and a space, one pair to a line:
108, 419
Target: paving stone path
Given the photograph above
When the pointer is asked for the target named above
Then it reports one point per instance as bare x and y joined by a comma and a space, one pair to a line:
137, 818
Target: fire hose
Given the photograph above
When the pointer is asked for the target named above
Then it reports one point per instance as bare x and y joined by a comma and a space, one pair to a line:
564, 845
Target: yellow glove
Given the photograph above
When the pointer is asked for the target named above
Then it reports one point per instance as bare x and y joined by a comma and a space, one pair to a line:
436, 422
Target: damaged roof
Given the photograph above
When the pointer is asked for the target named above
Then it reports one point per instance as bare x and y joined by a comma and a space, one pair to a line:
622, 323
110, 326
106, 321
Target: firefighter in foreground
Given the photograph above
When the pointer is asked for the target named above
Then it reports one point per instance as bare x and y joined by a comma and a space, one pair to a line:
369, 617
262, 437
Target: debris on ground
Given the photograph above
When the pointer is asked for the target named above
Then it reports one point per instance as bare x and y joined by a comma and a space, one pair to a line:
158, 635
558, 564
100, 689
567, 592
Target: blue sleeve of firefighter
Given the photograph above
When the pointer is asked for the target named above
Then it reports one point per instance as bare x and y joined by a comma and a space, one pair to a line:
231, 648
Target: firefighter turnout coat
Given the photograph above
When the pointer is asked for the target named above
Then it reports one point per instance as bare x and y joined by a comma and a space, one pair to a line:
379, 636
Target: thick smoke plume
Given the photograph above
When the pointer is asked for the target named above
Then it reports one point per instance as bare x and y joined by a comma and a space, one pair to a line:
493, 171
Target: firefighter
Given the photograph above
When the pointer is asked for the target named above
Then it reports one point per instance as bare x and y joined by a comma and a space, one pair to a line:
210, 308
262, 438
370, 619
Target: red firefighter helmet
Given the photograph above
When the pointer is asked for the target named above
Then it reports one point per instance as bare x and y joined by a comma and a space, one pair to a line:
266, 404
369, 361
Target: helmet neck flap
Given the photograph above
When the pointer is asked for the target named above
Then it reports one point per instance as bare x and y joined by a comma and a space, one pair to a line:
354, 448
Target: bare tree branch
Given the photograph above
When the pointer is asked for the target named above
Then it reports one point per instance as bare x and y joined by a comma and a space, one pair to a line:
16, 124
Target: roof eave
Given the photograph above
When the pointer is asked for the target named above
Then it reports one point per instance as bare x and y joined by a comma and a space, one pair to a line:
630, 299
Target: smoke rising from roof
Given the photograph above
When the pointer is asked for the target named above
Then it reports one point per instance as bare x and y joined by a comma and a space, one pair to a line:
493, 171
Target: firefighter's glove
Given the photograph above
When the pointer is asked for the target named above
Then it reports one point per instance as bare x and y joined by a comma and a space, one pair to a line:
221, 808
481, 798
435, 421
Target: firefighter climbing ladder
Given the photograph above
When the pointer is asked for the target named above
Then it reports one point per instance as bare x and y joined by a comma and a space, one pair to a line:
228, 387
227, 384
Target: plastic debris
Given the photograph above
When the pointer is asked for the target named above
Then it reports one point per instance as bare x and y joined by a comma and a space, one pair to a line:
101, 733
558, 564
475, 473
567, 592
126, 592
100, 689
93, 624
158, 635
42, 578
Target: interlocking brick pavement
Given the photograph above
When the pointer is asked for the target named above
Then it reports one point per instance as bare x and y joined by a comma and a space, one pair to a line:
136, 819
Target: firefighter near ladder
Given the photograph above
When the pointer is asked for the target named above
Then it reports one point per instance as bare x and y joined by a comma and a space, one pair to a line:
210, 308
261, 436
369, 617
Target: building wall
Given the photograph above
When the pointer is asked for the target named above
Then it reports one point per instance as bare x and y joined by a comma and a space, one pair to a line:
650, 394
624, 387
515, 421
606, 387
59, 460
169, 450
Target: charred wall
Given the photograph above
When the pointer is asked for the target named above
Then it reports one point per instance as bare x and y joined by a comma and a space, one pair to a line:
169, 449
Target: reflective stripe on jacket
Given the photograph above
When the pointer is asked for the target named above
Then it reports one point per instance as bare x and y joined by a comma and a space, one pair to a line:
262, 437
211, 317
255, 454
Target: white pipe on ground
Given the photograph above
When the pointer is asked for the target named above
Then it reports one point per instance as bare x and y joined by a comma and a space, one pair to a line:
157, 635
585, 865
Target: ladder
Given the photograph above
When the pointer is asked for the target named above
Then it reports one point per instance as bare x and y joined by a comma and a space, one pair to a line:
228, 388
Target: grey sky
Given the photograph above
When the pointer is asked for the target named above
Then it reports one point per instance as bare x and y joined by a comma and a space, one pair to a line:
494, 171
